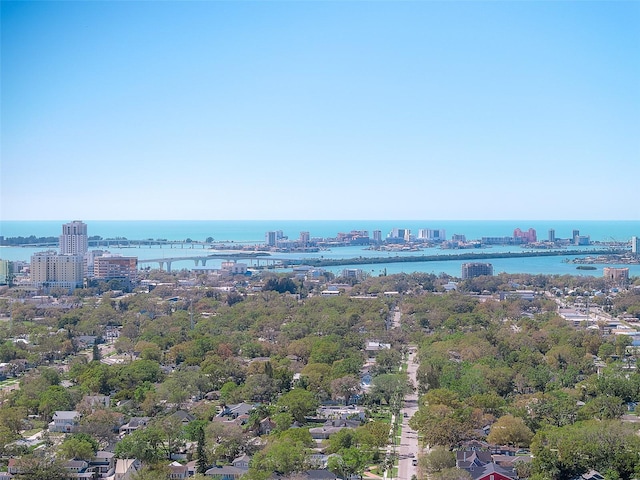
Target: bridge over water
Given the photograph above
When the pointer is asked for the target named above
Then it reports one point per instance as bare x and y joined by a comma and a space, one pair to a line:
257, 257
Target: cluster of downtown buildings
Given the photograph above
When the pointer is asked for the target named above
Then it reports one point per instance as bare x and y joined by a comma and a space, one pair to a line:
69, 267
276, 238
403, 236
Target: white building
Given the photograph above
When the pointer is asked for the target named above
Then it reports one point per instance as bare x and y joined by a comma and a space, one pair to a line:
74, 239
234, 268
432, 235
64, 421
352, 273
50, 270
635, 245
399, 233
273, 238
89, 261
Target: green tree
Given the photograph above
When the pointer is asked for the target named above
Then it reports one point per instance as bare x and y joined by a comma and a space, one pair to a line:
52, 399
443, 425
139, 371
281, 455
387, 361
299, 403
96, 377
13, 418
6, 437
145, 444
225, 442
385, 387
37, 467
439, 458
556, 408
510, 430
608, 445
283, 421
373, 435
602, 407
173, 433
350, 461
342, 439
345, 387
78, 446
259, 388
622, 342
101, 425
317, 377
201, 462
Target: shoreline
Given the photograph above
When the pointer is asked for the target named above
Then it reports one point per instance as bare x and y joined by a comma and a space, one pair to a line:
324, 262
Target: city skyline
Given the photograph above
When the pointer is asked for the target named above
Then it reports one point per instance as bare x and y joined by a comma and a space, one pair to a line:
320, 110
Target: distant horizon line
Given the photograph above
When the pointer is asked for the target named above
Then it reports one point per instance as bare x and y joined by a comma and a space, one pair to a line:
329, 220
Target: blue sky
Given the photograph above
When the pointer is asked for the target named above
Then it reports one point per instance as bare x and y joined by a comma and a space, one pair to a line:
320, 110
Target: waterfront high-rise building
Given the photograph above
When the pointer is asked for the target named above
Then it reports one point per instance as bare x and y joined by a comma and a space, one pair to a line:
458, 237
635, 245
377, 236
271, 238
574, 235
527, 237
74, 239
432, 235
471, 270
552, 235
582, 240
399, 234
50, 270
304, 238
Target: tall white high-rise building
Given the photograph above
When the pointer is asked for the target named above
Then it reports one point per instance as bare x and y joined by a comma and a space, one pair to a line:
272, 238
635, 245
74, 239
432, 235
399, 233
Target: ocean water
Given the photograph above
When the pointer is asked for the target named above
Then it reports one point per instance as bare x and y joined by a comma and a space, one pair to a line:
254, 232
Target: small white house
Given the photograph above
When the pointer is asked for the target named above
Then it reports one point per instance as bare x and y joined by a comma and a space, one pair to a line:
64, 421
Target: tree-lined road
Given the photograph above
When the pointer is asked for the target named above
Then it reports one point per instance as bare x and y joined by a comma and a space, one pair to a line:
409, 446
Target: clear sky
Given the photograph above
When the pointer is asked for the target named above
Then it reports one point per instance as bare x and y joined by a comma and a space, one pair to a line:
320, 110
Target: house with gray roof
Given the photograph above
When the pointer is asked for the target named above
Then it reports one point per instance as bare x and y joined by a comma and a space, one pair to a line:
134, 424
64, 421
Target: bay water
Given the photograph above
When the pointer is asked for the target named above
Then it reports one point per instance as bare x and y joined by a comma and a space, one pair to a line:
253, 232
